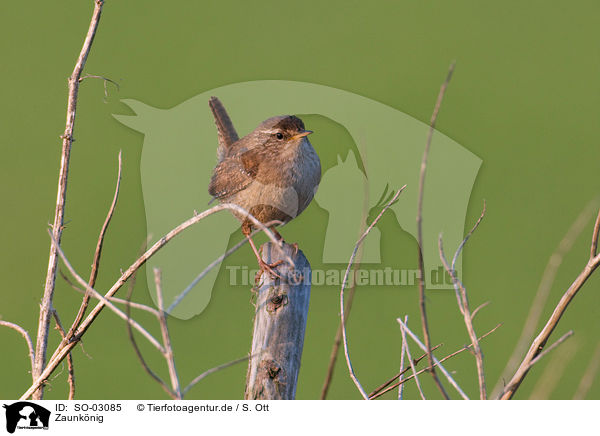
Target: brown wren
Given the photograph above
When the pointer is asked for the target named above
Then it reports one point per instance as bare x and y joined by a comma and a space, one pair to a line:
273, 172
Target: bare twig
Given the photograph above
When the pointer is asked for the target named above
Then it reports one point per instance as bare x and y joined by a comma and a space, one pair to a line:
57, 227
386, 387
588, 376
338, 340
464, 241
71, 369
212, 371
540, 341
410, 359
554, 371
345, 281
64, 348
543, 291
203, 273
377, 390
463, 305
111, 306
132, 304
551, 347
164, 329
422, 307
401, 373
105, 80
27, 338
442, 369
98, 253
136, 348
478, 308
179, 298
594, 248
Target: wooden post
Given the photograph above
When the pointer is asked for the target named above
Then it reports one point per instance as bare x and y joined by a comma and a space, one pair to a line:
279, 325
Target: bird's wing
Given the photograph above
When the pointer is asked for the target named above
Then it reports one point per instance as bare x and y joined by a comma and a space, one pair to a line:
225, 129
233, 175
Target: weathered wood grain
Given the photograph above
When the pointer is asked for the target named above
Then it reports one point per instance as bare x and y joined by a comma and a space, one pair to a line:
279, 326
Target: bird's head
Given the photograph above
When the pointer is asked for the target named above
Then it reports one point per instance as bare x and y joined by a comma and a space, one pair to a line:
281, 131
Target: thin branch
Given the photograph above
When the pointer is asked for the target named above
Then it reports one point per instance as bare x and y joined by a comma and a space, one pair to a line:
588, 376
383, 389
106, 302
212, 371
422, 307
594, 248
345, 281
164, 329
337, 342
404, 370
179, 298
410, 359
442, 369
106, 80
136, 348
27, 338
478, 308
540, 341
464, 241
463, 305
335, 348
554, 371
98, 252
543, 292
338, 339
402, 355
64, 348
71, 369
61, 197
551, 347
133, 304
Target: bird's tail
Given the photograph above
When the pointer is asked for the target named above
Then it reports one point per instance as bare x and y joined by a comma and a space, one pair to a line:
225, 129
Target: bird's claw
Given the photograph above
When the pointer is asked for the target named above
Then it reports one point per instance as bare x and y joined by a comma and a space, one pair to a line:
268, 268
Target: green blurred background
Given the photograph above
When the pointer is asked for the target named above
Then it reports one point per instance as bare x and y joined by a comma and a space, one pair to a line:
524, 99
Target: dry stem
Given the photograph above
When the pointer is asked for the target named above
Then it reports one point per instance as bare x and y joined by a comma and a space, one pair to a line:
65, 347
338, 341
213, 370
543, 291
387, 386
463, 305
168, 354
27, 338
137, 350
61, 196
335, 348
98, 253
539, 342
378, 390
402, 356
345, 281
71, 369
435, 361
410, 359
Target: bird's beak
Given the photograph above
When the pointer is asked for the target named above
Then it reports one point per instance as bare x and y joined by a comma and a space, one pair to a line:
301, 134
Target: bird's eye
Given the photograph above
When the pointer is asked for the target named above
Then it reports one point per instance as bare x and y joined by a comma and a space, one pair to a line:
279, 135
